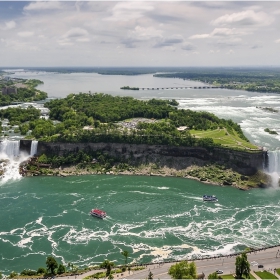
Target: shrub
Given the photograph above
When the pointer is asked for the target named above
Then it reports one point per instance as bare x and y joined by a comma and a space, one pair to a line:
28, 272
41, 270
13, 274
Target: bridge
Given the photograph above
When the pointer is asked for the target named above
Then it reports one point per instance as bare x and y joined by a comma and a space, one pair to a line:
168, 88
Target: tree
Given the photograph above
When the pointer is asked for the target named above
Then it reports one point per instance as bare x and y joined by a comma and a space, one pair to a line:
183, 270
213, 275
108, 265
61, 269
51, 264
125, 254
242, 266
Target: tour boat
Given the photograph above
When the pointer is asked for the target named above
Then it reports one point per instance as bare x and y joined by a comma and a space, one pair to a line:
98, 213
211, 198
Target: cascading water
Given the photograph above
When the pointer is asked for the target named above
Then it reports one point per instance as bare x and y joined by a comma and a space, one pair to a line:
33, 150
9, 157
274, 166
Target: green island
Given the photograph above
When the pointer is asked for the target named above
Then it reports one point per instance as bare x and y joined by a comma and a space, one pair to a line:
270, 131
125, 125
249, 79
15, 90
130, 88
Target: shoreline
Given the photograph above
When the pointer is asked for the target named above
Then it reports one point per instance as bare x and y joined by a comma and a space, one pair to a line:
241, 182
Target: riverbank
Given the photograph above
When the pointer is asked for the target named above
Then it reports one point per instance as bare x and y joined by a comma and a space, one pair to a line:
212, 174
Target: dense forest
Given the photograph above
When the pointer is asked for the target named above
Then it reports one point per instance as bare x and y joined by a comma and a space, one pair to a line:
249, 79
99, 118
25, 93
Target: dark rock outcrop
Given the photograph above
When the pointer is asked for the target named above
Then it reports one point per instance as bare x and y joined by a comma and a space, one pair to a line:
25, 146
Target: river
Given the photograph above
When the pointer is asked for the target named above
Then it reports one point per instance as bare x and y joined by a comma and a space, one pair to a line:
153, 218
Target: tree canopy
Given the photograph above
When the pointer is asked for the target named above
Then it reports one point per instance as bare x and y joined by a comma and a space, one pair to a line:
183, 270
51, 264
125, 254
242, 266
95, 118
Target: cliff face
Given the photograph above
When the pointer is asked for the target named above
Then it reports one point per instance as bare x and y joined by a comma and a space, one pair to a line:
25, 146
243, 162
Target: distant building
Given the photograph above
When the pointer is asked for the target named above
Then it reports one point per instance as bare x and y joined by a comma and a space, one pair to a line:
9, 90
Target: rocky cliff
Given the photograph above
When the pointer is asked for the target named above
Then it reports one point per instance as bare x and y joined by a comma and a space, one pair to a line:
243, 162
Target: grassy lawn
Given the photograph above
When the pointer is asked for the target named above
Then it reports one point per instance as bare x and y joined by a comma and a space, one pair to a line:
278, 271
265, 275
221, 136
230, 276
227, 276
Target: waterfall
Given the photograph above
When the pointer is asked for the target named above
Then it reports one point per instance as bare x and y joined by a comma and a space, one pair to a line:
274, 161
33, 150
10, 159
274, 166
9, 149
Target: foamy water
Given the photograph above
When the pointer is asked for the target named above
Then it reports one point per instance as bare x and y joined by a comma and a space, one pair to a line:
51, 217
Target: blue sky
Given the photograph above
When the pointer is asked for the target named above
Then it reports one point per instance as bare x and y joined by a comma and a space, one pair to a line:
133, 33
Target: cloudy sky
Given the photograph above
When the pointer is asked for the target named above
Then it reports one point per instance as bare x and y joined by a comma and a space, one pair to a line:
133, 33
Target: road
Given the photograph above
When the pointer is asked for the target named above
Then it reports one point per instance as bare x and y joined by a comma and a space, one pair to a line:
269, 258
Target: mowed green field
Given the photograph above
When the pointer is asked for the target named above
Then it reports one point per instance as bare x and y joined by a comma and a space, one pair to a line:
223, 137
230, 276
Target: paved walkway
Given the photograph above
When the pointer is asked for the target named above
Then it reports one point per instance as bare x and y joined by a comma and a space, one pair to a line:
269, 258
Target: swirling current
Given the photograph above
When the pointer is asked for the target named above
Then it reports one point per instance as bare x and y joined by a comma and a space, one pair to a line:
153, 218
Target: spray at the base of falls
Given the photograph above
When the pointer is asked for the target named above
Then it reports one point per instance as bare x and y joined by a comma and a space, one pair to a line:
11, 157
274, 167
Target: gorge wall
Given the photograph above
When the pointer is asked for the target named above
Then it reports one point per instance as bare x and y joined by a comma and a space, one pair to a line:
246, 163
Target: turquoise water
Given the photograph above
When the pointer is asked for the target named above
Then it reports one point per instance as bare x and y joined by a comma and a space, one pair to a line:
153, 218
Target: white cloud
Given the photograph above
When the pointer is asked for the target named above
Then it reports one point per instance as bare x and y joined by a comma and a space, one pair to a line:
125, 11
146, 33
83, 40
187, 46
169, 41
231, 52
245, 18
75, 32
25, 34
38, 6
74, 35
62, 30
276, 12
220, 32
9, 25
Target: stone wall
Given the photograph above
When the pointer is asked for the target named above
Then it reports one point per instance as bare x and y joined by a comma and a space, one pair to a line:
243, 162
